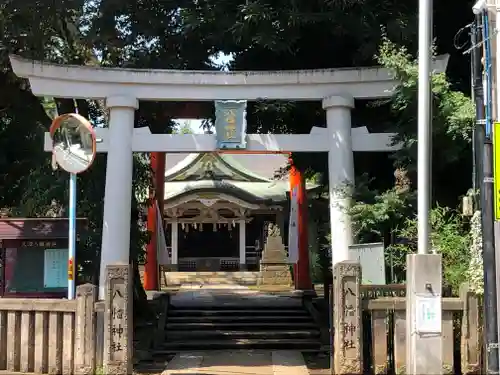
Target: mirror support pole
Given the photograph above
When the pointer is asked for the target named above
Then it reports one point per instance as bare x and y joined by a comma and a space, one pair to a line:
72, 236
74, 150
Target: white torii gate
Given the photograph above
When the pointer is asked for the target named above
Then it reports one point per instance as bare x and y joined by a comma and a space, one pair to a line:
123, 88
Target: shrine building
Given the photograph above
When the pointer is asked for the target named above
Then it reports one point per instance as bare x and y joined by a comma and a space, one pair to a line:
217, 207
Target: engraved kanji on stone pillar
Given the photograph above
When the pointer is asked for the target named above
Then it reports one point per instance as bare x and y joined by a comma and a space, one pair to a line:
118, 323
348, 335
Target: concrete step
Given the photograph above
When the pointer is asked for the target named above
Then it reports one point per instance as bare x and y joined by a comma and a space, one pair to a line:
224, 312
230, 278
209, 326
218, 334
262, 318
212, 280
232, 274
236, 344
229, 320
194, 282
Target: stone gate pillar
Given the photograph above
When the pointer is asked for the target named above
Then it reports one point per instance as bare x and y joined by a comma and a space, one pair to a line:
340, 173
115, 247
347, 315
118, 320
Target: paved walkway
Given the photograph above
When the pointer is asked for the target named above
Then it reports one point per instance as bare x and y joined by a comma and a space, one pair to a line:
244, 362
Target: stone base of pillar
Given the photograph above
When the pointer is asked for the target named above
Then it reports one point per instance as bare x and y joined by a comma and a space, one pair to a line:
275, 274
243, 267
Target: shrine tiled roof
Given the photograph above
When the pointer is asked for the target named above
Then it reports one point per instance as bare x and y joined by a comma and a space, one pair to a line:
262, 167
249, 177
275, 191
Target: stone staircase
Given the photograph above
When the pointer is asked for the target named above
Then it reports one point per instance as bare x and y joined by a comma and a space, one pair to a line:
273, 327
214, 278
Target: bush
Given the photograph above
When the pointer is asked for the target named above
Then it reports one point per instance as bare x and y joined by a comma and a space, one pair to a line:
449, 236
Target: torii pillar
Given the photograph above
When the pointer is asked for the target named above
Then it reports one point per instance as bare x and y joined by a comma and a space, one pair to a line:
302, 276
156, 195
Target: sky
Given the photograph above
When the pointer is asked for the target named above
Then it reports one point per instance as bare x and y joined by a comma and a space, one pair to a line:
195, 125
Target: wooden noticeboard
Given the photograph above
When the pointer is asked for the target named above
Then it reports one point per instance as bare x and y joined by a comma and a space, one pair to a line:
34, 256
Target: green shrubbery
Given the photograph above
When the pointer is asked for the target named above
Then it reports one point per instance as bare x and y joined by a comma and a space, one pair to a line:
390, 216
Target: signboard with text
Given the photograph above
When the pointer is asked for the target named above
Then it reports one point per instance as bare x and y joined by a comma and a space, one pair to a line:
371, 258
230, 124
428, 315
56, 268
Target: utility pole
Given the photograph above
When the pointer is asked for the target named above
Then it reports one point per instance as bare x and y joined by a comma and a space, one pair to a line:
424, 271
484, 121
478, 94
484, 127
495, 15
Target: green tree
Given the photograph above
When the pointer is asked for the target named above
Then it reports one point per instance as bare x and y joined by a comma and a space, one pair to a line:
82, 33
390, 215
449, 237
453, 117
183, 128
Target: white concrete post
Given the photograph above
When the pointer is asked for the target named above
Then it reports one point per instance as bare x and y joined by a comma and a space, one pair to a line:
115, 247
340, 173
175, 243
243, 243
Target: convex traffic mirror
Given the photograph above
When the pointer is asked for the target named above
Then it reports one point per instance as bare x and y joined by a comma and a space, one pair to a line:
73, 142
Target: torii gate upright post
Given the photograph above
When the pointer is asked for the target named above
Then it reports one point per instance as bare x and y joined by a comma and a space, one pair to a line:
157, 195
302, 274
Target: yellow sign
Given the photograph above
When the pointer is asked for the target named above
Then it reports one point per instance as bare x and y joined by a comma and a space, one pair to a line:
71, 269
496, 167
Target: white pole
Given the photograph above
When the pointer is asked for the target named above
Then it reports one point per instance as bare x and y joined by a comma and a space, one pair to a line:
424, 123
72, 236
424, 341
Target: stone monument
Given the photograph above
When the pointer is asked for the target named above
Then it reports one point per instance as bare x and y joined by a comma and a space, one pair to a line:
118, 320
274, 267
347, 339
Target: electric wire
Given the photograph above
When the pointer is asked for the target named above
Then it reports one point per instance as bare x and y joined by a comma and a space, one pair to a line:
458, 35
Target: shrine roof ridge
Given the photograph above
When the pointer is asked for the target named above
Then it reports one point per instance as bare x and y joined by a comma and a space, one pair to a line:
270, 192
229, 161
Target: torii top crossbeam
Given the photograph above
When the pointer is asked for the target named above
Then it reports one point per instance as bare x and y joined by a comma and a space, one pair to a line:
88, 82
